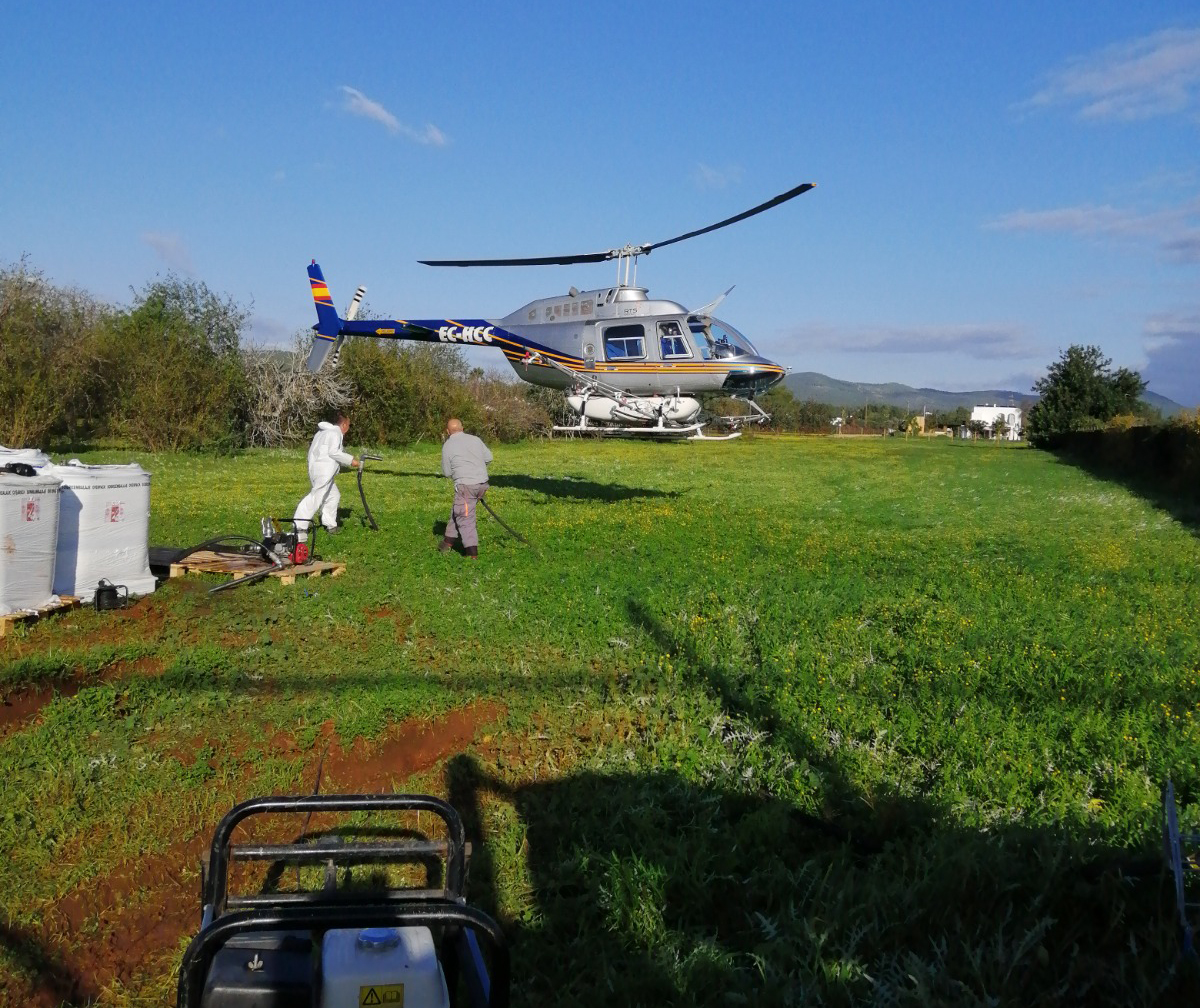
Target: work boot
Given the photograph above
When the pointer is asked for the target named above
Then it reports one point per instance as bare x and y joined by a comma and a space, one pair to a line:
333, 531
472, 552
445, 544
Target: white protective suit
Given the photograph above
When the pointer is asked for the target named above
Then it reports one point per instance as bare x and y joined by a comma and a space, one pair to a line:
325, 459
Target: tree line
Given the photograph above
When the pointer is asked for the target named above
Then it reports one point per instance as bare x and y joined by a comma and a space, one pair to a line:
808, 416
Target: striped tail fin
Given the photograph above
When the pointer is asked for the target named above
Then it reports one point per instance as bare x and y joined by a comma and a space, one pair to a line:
328, 324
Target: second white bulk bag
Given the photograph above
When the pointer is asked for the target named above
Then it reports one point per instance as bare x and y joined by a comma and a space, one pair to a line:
103, 528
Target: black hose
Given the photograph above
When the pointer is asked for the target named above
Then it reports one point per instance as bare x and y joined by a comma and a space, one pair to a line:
503, 524
363, 497
238, 582
212, 544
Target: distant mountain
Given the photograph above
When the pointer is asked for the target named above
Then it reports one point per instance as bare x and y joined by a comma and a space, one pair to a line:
821, 388
1167, 407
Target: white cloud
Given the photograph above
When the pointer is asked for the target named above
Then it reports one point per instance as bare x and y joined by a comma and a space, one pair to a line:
1080, 220
978, 342
1151, 76
707, 177
1185, 248
1174, 230
358, 104
1167, 327
270, 333
1173, 356
171, 249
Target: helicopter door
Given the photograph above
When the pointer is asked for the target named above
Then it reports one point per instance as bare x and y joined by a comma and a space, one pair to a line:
672, 344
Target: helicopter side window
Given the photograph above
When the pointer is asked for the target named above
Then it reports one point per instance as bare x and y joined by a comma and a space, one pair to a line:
625, 342
671, 340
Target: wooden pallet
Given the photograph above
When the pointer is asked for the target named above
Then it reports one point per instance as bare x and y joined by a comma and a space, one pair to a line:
241, 565
9, 622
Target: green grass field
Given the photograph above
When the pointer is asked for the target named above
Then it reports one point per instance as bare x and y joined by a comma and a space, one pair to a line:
772, 722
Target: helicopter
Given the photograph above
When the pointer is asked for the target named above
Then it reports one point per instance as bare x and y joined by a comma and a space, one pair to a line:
629, 364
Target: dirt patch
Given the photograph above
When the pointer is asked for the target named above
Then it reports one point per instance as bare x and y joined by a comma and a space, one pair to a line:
111, 931
405, 749
400, 621
142, 619
21, 706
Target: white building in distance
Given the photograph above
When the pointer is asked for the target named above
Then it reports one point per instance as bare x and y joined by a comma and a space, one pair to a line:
1011, 415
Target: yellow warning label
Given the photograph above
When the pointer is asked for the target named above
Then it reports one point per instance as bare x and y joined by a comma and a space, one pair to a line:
381, 994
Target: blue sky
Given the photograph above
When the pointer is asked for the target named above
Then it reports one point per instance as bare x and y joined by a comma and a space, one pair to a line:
995, 182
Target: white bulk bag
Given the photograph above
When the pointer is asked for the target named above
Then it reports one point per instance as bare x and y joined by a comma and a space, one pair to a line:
103, 528
28, 541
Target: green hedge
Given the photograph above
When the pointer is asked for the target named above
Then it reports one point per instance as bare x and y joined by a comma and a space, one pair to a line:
1165, 456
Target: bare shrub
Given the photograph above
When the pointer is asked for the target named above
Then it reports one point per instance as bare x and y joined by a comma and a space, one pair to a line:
285, 399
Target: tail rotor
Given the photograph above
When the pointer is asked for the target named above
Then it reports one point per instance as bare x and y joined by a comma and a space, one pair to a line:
351, 315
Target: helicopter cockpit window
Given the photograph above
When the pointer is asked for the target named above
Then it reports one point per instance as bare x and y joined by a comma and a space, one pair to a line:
671, 340
625, 342
719, 340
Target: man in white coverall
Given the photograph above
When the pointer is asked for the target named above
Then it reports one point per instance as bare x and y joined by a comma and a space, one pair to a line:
325, 459
465, 460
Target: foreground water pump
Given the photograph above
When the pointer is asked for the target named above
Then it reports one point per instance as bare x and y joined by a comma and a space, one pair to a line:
354, 915
284, 546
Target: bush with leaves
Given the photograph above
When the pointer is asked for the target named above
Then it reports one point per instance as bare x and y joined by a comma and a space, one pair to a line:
402, 393
506, 412
48, 358
175, 368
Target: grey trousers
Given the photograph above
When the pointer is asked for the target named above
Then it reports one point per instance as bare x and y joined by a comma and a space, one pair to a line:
462, 515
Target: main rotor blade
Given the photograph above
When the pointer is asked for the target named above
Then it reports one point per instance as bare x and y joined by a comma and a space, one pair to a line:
781, 198
544, 261
592, 257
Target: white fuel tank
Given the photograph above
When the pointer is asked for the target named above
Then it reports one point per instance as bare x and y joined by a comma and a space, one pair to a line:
381, 966
103, 528
28, 540
594, 407
638, 410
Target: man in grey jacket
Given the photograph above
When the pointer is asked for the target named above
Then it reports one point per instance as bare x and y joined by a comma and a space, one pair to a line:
464, 460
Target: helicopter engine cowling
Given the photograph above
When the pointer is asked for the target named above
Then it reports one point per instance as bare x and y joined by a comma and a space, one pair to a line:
636, 409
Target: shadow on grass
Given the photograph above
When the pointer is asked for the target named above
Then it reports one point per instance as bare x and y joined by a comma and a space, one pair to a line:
650, 889
562, 488
672, 888
56, 983
1182, 505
